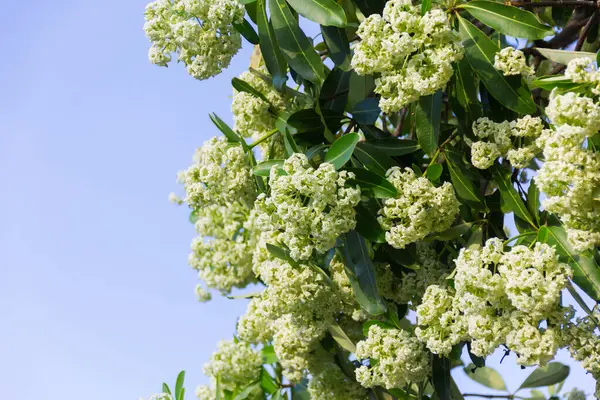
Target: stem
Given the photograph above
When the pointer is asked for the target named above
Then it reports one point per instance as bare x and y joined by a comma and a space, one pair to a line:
557, 3
493, 396
586, 30
507, 241
573, 292
439, 149
262, 139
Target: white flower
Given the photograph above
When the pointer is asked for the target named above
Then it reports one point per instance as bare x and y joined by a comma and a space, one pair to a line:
512, 62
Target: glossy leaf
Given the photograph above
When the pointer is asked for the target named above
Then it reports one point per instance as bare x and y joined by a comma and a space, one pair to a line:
368, 7
552, 373
564, 56
586, 271
335, 90
269, 47
511, 21
338, 46
510, 197
361, 272
267, 383
247, 31
297, 49
367, 224
463, 186
373, 159
395, 147
555, 81
341, 338
441, 376
225, 129
367, 111
264, 168
486, 376
247, 391
372, 183
243, 86
290, 144
480, 51
434, 172
308, 122
323, 12
428, 118
361, 87
179, 386
341, 150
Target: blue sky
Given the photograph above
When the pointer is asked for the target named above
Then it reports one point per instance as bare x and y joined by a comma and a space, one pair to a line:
96, 296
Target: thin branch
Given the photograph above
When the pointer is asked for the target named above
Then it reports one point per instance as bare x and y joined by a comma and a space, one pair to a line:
557, 3
586, 29
492, 396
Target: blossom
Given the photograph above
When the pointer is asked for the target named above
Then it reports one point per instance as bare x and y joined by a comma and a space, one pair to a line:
419, 209
412, 54
583, 70
512, 62
401, 359
200, 31
574, 109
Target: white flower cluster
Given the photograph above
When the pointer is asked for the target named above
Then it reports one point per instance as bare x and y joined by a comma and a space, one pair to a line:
583, 70
200, 31
235, 364
220, 190
570, 176
498, 141
308, 208
420, 208
397, 358
499, 298
328, 381
512, 62
413, 55
252, 116
583, 342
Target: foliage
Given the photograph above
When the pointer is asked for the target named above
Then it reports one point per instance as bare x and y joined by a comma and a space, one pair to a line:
370, 181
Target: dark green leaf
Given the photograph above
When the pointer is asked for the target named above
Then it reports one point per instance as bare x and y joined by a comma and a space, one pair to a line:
338, 46
441, 376
510, 197
477, 360
564, 56
464, 187
586, 271
367, 224
225, 129
511, 21
269, 47
465, 97
361, 272
341, 150
395, 147
296, 47
373, 159
367, 111
372, 183
480, 51
486, 376
368, 324
334, 93
300, 391
434, 172
428, 118
247, 31
308, 123
243, 86
323, 12
179, 386
341, 338
361, 86
368, 7
290, 144
552, 373
264, 168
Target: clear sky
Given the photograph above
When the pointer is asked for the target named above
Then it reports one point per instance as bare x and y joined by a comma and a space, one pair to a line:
96, 298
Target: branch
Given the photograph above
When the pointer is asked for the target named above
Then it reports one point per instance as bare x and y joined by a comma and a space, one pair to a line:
557, 3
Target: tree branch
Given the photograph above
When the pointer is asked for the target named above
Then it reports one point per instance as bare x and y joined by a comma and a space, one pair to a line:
557, 3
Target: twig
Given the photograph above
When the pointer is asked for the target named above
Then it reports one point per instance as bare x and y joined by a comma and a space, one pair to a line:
398, 129
557, 3
493, 396
586, 30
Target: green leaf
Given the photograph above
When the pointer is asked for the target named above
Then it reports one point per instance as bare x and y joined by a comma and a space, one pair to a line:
308, 123
338, 46
465, 97
341, 338
434, 172
367, 224
555, 81
510, 197
296, 47
428, 118
511, 21
372, 183
537, 395
368, 324
373, 159
165, 388
361, 87
264, 168
477, 360
451, 233
480, 51
463, 186
395, 147
486, 376
269, 47
533, 201
367, 111
278, 395
552, 373
425, 6
323, 12
300, 390
289, 143
564, 56
361, 272
267, 383
225, 129
247, 31
368, 7
268, 355
247, 391
440, 370
280, 253
341, 150
586, 271
179, 386
243, 86
334, 93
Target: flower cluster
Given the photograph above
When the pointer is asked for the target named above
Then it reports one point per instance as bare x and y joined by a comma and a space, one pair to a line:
329, 382
500, 138
583, 70
512, 62
584, 344
309, 208
400, 359
498, 297
234, 364
200, 31
412, 54
419, 209
570, 175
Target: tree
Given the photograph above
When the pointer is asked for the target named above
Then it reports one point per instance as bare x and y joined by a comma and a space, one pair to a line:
372, 203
